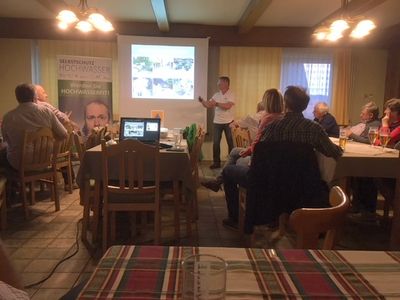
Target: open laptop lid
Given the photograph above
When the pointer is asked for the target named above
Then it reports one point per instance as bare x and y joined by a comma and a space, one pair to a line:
142, 129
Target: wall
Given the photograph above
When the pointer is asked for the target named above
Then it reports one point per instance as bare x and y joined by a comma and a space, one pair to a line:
368, 82
15, 66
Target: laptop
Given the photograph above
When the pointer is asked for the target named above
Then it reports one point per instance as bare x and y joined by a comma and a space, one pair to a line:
146, 130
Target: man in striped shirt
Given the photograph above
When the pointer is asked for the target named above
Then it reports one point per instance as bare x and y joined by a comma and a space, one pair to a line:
292, 128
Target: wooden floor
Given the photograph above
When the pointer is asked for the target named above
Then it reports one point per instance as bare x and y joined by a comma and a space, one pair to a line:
35, 246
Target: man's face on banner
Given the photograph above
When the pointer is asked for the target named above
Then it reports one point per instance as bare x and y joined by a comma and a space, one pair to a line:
96, 116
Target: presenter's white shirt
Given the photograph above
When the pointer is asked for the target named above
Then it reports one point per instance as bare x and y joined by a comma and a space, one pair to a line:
222, 116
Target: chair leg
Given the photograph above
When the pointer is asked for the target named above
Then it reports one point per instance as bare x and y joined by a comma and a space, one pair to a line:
177, 209
3, 208
189, 217
55, 192
113, 225
69, 170
32, 190
24, 200
157, 228
105, 229
195, 206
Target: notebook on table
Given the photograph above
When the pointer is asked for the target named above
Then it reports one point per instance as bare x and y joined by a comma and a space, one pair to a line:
146, 130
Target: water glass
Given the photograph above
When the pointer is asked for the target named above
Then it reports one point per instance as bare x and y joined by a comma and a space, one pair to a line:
204, 277
177, 133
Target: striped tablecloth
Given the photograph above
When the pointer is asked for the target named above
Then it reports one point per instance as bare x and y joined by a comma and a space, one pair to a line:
153, 272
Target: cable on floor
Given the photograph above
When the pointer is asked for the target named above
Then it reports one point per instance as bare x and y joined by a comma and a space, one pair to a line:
61, 261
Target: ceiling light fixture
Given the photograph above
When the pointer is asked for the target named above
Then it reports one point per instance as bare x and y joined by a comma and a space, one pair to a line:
83, 18
333, 30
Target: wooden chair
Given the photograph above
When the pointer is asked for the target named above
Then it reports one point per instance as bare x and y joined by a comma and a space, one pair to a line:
309, 223
38, 162
3, 205
241, 137
64, 158
131, 191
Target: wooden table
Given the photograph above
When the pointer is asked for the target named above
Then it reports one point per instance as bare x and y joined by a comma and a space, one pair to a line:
154, 272
363, 160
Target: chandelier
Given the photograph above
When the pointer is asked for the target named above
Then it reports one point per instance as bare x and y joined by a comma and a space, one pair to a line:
83, 18
355, 27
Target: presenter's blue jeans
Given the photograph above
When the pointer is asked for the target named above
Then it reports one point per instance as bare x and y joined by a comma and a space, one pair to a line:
234, 175
218, 129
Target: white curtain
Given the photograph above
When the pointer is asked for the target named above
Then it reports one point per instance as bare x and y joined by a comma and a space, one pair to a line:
311, 69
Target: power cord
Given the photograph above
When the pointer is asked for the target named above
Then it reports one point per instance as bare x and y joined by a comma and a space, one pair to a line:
61, 261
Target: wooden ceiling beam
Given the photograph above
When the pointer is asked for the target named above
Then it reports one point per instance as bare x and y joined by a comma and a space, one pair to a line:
160, 12
253, 12
53, 5
353, 9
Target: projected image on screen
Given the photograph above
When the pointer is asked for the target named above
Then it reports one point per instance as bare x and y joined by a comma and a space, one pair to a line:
163, 72
134, 129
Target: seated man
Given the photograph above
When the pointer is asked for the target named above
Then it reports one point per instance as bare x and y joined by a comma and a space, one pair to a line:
27, 116
292, 128
369, 118
325, 119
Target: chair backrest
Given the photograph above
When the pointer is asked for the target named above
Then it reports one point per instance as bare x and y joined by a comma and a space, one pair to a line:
38, 150
64, 146
241, 137
283, 176
79, 145
309, 223
130, 167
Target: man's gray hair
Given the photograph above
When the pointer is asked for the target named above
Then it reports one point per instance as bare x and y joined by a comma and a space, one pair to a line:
372, 108
322, 107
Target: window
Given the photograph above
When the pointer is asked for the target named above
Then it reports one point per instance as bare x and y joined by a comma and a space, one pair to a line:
311, 69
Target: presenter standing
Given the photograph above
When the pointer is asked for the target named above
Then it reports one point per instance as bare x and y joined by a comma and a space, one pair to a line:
222, 102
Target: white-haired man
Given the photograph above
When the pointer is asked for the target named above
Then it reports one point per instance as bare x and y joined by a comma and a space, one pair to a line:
325, 119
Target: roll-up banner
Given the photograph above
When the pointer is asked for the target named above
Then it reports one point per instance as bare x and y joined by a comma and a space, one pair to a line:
85, 90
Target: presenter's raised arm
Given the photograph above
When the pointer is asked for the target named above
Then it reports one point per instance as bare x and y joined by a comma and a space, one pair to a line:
207, 104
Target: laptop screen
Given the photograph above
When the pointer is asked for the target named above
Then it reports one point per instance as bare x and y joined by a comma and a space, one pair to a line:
142, 129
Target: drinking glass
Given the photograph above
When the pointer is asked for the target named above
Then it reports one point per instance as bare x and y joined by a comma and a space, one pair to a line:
384, 136
342, 138
177, 133
373, 135
204, 277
